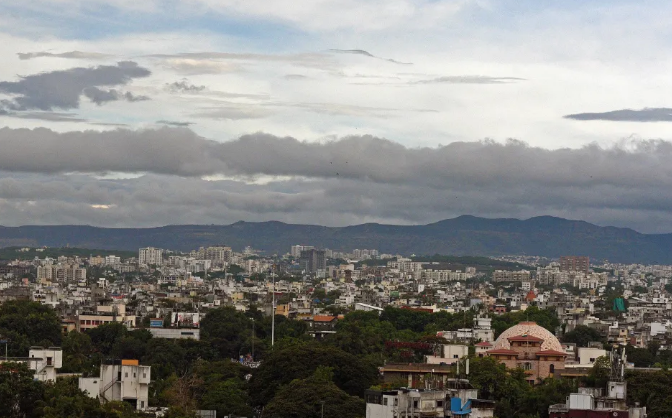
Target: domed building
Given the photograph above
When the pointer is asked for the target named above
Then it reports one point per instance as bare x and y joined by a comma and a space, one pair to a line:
532, 348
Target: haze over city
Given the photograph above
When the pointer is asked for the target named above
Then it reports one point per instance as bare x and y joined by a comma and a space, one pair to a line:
149, 113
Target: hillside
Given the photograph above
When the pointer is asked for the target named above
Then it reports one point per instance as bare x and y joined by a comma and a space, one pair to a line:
464, 235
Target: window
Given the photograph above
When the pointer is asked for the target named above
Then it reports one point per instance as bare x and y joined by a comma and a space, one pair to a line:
456, 356
415, 404
552, 368
126, 374
439, 404
527, 366
396, 402
142, 404
135, 374
384, 401
48, 361
144, 375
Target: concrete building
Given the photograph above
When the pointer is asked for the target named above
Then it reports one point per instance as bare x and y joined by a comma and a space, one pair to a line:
586, 356
575, 263
296, 250
313, 260
176, 333
45, 362
120, 380
449, 354
458, 399
148, 256
598, 402
105, 314
511, 276
61, 273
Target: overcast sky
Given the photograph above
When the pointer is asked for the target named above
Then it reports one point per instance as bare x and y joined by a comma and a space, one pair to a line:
335, 112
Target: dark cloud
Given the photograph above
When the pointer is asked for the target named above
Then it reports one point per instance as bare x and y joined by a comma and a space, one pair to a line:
174, 123
99, 96
70, 54
349, 180
183, 86
367, 54
654, 114
63, 89
50, 116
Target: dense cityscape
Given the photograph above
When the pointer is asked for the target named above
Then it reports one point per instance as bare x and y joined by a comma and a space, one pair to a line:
166, 333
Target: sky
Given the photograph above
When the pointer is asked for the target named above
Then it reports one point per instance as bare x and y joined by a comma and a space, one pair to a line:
123, 113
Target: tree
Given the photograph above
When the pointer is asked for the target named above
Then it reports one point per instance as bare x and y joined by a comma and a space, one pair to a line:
228, 397
582, 335
104, 337
64, 399
652, 391
19, 393
26, 324
351, 374
166, 357
307, 398
225, 329
599, 373
78, 354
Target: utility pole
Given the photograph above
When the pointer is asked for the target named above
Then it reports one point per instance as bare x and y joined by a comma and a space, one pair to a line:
273, 309
252, 339
322, 409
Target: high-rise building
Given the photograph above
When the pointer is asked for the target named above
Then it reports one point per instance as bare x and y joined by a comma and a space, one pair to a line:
150, 255
296, 250
220, 254
313, 260
574, 263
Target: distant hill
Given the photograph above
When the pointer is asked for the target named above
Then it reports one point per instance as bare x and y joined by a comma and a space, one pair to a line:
465, 235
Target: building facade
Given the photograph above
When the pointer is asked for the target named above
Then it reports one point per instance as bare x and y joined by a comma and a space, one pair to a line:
574, 263
120, 380
148, 256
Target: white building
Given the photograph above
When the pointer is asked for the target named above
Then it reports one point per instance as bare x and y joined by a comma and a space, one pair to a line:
150, 255
450, 354
111, 260
120, 380
587, 356
43, 361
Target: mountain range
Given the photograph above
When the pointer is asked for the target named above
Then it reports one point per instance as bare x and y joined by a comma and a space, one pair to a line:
465, 235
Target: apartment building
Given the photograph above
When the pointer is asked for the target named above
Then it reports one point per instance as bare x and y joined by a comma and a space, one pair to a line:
575, 263
511, 276
148, 256
313, 260
61, 272
105, 314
